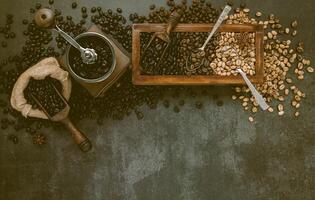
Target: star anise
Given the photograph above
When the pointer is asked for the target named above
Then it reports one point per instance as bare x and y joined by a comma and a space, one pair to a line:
39, 139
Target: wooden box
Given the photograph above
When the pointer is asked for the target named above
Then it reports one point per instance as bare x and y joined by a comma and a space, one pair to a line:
140, 79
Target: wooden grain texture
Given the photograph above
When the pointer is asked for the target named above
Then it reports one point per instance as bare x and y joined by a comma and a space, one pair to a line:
139, 79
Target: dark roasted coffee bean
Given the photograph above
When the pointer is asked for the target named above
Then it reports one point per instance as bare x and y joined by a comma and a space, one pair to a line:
12, 35
176, 109
14, 139
83, 9
119, 10
243, 4
139, 115
181, 102
9, 17
74, 5
38, 6
93, 9
166, 103
4, 126
220, 103
25, 21
4, 44
198, 105
152, 7
84, 15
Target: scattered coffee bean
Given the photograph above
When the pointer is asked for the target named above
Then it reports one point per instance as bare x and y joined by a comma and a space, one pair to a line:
83, 9
74, 5
152, 7
12, 35
176, 109
220, 103
4, 44
198, 104
14, 139
181, 102
38, 6
25, 21
139, 115
84, 15
166, 103
93, 9
119, 10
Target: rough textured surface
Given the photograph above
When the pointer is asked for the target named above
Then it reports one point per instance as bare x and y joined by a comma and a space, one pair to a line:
213, 153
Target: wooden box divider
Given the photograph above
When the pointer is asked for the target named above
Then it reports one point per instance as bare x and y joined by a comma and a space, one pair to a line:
140, 79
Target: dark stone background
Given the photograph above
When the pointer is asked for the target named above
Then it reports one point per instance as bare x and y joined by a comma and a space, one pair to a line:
213, 153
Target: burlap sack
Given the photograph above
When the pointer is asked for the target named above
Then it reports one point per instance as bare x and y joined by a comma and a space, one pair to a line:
46, 67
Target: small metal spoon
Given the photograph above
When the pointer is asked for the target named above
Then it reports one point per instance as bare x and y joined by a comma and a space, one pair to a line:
223, 15
45, 18
259, 99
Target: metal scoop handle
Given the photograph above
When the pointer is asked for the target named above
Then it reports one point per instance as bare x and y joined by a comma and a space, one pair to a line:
223, 15
259, 99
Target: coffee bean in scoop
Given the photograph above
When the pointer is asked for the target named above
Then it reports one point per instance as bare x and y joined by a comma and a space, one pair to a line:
46, 95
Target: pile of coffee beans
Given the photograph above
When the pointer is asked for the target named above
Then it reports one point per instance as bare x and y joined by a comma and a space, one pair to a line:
159, 57
194, 61
104, 58
177, 57
123, 98
44, 91
224, 53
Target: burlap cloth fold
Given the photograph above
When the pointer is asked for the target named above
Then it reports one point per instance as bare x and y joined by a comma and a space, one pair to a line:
46, 67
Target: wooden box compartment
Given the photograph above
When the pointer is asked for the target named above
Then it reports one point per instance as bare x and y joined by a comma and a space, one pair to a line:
140, 79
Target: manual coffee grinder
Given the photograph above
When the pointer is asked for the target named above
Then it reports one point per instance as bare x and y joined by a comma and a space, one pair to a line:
120, 58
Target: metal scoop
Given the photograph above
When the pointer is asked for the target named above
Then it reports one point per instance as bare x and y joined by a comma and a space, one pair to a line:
164, 36
259, 99
45, 18
82, 141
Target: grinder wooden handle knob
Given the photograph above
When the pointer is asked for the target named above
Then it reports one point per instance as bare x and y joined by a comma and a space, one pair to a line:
45, 18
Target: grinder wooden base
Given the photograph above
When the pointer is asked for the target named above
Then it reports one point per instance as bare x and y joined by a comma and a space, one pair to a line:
122, 64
